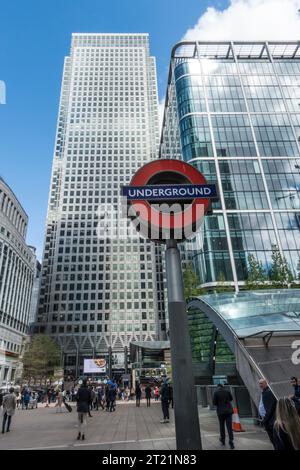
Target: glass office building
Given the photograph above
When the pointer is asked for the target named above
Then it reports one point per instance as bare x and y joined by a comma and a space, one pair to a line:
99, 289
233, 110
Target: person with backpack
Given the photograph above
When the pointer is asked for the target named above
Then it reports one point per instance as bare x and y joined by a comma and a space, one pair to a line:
286, 432
222, 399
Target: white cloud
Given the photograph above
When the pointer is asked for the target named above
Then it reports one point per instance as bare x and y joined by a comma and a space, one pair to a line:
249, 20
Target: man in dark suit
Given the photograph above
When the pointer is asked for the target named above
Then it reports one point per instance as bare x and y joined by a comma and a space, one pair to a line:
267, 408
222, 400
83, 406
296, 397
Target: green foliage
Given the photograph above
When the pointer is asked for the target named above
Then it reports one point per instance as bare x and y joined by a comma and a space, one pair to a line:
257, 275
191, 283
281, 275
42, 356
222, 286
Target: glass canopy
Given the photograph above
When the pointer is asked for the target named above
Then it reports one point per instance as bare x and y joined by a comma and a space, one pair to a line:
254, 312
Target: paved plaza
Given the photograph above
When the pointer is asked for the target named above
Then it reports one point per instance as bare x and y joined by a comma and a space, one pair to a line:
129, 428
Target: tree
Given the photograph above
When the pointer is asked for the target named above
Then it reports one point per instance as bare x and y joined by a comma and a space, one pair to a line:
191, 283
281, 275
222, 285
257, 275
42, 356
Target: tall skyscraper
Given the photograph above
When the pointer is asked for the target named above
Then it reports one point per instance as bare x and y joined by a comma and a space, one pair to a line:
17, 261
232, 110
100, 290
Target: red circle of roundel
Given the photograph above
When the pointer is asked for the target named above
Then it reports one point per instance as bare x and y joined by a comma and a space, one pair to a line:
146, 172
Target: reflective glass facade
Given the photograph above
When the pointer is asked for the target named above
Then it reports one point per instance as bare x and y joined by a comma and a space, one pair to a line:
234, 109
256, 312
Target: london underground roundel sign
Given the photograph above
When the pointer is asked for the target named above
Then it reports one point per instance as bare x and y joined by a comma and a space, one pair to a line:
167, 199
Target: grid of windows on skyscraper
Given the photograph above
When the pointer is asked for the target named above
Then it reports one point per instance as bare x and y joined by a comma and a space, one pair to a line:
234, 109
101, 292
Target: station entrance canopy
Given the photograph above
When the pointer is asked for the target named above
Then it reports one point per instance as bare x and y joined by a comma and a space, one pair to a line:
261, 328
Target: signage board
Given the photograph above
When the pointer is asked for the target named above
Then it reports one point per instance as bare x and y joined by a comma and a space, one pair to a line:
167, 192
167, 199
94, 366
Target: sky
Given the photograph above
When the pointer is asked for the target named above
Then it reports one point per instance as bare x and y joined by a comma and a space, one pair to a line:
35, 37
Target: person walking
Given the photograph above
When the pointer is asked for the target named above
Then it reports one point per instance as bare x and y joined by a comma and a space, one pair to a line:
171, 395
296, 386
131, 395
138, 394
83, 398
156, 393
100, 398
165, 400
49, 395
267, 408
25, 399
148, 393
9, 407
91, 401
107, 397
1, 398
222, 399
286, 433
112, 398
18, 400
59, 402
296, 396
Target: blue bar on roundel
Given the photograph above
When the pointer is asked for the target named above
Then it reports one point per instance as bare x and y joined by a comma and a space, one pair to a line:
167, 192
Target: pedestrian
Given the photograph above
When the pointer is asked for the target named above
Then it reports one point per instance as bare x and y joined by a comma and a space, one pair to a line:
156, 393
165, 400
112, 394
222, 400
295, 384
59, 402
93, 398
286, 434
25, 399
267, 408
83, 398
9, 407
91, 402
100, 398
1, 398
49, 395
131, 394
138, 394
107, 397
148, 393
296, 396
171, 395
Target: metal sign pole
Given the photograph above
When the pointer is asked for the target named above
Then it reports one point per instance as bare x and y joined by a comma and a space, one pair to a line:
185, 400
